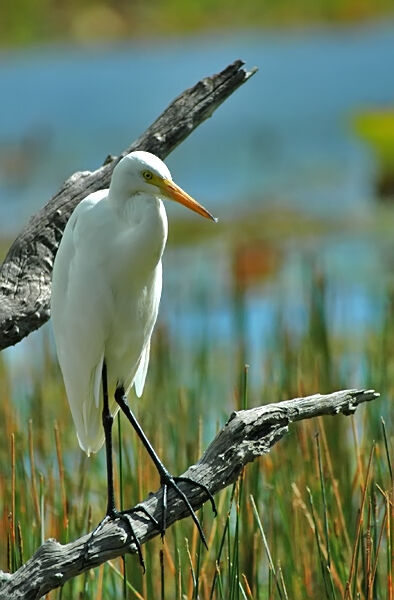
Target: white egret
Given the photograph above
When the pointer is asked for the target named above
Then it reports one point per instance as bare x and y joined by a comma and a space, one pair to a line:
106, 288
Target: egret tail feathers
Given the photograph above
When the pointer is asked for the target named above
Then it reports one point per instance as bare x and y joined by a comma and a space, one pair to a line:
140, 376
86, 408
91, 433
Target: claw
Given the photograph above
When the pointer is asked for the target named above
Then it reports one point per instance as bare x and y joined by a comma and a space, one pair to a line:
164, 520
168, 481
123, 516
204, 488
94, 532
145, 512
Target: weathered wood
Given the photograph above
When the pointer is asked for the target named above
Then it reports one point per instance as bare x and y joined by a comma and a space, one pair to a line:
247, 435
25, 276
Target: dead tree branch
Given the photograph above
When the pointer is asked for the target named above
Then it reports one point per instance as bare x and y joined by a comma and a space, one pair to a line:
247, 435
25, 276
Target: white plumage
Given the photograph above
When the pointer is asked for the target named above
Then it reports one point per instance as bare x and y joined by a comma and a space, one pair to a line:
106, 287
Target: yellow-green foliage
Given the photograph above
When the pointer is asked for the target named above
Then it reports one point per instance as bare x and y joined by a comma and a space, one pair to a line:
25, 21
377, 128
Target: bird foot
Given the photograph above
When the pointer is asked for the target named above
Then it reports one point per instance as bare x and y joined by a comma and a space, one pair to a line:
141, 509
125, 517
168, 481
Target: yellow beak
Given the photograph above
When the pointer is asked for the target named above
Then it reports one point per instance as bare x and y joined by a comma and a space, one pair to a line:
173, 191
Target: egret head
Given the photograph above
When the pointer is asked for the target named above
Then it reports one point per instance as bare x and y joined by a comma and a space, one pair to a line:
144, 172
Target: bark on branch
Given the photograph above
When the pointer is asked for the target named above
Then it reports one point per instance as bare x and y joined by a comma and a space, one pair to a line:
25, 276
247, 435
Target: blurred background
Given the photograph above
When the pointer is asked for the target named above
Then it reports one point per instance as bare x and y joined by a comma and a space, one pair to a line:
298, 165
296, 280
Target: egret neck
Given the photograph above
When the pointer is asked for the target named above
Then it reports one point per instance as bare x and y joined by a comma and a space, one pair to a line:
143, 216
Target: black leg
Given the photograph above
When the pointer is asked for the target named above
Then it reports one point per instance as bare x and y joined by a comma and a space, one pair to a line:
107, 424
166, 479
112, 513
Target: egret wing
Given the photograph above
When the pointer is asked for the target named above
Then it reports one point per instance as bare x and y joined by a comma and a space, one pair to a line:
78, 325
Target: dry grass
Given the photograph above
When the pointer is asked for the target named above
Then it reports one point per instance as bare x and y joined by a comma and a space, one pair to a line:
311, 520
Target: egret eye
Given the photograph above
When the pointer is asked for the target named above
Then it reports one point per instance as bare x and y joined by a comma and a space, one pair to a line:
147, 175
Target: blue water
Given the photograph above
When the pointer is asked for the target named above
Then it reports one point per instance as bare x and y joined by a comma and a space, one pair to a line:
285, 139
286, 134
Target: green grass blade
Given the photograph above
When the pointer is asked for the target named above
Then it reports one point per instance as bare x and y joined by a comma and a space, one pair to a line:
265, 543
322, 561
386, 445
